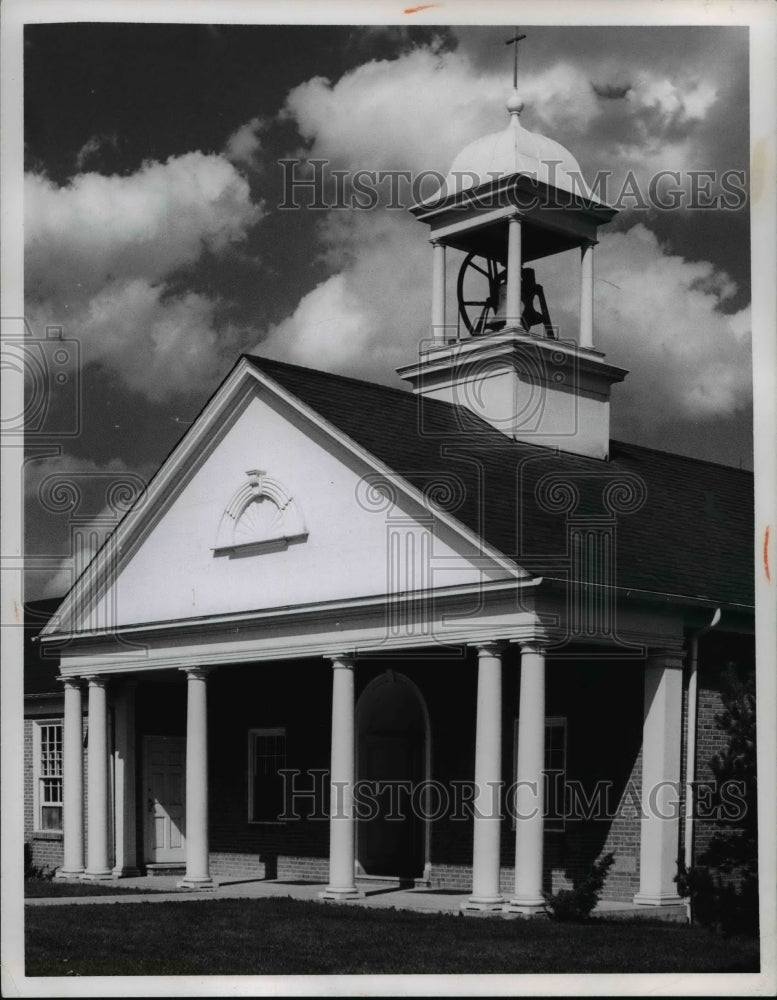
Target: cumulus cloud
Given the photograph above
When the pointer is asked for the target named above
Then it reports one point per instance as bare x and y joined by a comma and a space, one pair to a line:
99, 251
93, 146
414, 112
417, 111
662, 317
245, 142
366, 319
369, 317
158, 342
685, 99
144, 225
665, 319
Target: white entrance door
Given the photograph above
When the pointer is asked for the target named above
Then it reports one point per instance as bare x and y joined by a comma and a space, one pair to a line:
165, 760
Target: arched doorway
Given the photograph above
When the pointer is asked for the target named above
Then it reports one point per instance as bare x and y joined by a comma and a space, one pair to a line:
393, 752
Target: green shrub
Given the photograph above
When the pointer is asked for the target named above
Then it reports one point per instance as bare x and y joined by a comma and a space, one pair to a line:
578, 903
33, 872
720, 904
723, 884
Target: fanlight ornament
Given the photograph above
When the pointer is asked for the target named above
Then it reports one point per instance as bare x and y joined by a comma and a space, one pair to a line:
261, 516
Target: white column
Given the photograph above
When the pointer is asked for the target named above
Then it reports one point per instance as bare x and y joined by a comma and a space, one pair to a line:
514, 264
690, 753
197, 858
97, 866
342, 828
73, 782
530, 798
438, 292
487, 822
661, 740
125, 854
586, 338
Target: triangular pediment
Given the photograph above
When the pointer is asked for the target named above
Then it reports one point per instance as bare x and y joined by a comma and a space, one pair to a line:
264, 505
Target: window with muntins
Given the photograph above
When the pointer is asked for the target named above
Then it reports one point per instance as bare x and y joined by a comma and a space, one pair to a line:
555, 770
48, 777
266, 758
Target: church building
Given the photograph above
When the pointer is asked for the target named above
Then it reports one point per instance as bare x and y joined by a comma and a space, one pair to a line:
450, 636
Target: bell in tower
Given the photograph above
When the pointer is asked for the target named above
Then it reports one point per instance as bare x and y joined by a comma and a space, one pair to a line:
510, 199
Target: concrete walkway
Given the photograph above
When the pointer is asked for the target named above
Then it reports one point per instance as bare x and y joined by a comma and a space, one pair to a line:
163, 888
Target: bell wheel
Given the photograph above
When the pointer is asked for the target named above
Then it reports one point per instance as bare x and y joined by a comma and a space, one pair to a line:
478, 292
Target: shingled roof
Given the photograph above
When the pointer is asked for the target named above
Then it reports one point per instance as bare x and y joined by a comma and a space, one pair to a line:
685, 526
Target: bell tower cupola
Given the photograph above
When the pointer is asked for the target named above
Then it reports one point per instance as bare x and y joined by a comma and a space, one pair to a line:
512, 198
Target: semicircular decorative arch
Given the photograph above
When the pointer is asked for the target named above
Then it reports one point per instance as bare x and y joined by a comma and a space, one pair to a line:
261, 516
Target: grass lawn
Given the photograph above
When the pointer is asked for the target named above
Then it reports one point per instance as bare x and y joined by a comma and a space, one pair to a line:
45, 889
290, 937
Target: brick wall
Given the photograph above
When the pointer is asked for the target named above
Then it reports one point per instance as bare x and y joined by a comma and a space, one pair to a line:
298, 697
46, 846
716, 651
284, 866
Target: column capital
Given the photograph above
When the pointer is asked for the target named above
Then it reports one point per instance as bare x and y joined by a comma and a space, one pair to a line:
71, 682
489, 647
532, 644
196, 673
515, 216
588, 244
342, 660
435, 241
95, 680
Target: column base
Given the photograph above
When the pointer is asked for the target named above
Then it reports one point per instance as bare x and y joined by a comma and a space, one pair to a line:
340, 895
100, 875
657, 899
127, 871
196, 882
69, 873
483, 903
526, 907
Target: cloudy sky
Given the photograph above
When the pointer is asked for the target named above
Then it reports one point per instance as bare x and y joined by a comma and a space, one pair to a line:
155, 236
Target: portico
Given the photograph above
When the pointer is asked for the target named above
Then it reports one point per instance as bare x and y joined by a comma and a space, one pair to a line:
113, 680
509, 676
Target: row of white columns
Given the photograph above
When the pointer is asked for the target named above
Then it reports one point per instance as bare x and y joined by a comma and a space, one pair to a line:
486, 847
486, 893
98, 781
513, 300
661, 770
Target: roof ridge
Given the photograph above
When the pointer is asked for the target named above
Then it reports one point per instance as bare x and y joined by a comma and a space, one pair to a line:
404, 394
684, 458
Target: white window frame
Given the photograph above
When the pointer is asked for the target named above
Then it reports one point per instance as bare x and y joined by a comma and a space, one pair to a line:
253, 735
556, 824
39, 777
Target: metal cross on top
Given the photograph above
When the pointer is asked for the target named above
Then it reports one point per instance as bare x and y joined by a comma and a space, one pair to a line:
514, 41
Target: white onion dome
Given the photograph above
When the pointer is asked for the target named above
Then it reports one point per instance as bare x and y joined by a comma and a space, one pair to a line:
514, 150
